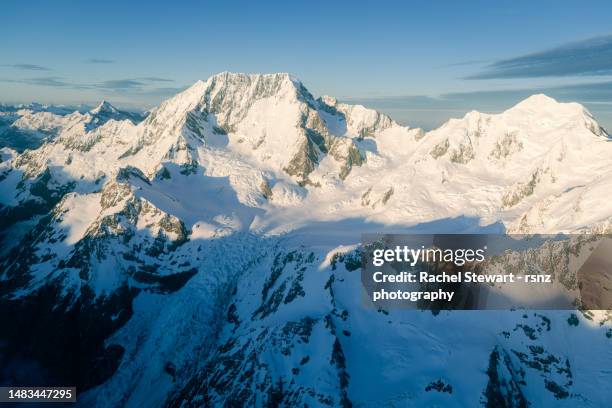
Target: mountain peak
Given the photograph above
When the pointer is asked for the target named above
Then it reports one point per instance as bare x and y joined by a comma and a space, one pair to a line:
538, 100
227, 85
229, 95
542, 106
105, 112
252, 77
104, 107
539, 103
227, 75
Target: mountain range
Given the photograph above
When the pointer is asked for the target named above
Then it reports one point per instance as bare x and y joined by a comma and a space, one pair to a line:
207, 254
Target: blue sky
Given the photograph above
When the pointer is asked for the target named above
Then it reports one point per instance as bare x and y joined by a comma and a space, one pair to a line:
422, 62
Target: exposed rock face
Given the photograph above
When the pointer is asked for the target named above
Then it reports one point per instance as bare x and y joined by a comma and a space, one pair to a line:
94, 304
503, 389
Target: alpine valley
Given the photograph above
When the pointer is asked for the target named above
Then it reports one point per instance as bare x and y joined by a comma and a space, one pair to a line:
208, 253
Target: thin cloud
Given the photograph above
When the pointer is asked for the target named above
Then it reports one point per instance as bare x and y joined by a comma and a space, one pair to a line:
466, 63
587, 57
401, 102
600, 92
164, 91
99, 61
133, 87
145, 91
156, 79
28, 67
48, 81
55, 82
120, 84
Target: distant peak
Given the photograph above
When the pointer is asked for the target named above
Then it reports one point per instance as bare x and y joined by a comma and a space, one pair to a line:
104, 107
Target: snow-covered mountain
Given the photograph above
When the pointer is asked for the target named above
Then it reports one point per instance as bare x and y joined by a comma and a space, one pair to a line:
29, 126
207, 255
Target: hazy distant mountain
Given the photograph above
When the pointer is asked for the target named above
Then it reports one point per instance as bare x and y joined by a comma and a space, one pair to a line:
207, 253
28, 126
